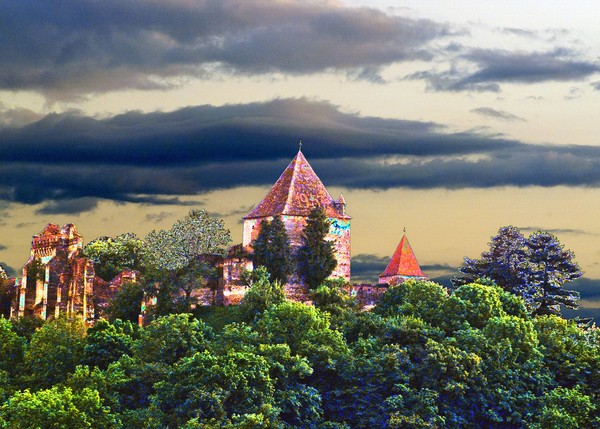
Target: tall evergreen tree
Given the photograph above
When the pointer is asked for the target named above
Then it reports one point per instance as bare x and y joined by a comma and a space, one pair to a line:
551, 267
535, 268
504, 263
272, 250
316, 258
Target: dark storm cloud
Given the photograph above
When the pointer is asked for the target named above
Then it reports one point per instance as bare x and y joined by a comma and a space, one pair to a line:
496, 114
69, 206
367, 267
494, 67
68, 162
73, 46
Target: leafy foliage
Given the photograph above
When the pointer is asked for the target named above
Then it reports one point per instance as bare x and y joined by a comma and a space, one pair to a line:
262, 294
425, 357
57, 408
127, 302
198, 233
54, 352
113, 255
552, 266
174, 268
535, 268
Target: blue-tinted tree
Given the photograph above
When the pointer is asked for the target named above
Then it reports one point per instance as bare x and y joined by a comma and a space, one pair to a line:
505, 263
535, 268
551, 266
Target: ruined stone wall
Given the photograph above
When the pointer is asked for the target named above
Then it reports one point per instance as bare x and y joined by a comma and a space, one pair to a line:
57, 278
367, 295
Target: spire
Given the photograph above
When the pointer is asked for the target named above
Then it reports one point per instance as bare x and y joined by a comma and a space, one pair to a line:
300, 146
403, 263
297, 191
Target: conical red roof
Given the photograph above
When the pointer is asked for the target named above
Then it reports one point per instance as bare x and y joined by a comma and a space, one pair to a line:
297, 191
403, 263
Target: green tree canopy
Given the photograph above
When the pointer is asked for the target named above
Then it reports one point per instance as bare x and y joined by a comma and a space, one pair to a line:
113, 255
59, 408
173, 256
272, 250
551, 267
54, 351
170, 338
127, 302
197, 234
316, 257
262, 294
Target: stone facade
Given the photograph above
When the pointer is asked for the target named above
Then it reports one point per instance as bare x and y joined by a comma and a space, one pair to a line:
297, 191
57, 278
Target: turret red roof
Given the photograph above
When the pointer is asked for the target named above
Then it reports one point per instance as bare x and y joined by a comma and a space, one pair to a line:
297, 191
403, 263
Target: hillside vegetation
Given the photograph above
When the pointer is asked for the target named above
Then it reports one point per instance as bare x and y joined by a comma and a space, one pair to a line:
423, 358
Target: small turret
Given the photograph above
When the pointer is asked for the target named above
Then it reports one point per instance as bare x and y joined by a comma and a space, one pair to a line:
340, 205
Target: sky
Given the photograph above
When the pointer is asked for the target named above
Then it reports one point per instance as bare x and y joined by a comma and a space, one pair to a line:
448, 118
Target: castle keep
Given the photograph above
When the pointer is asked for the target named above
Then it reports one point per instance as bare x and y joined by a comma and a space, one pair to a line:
297, 191
57, 278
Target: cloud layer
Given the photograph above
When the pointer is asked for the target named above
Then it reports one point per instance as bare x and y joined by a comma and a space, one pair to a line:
71, 47
74, 48
157, 157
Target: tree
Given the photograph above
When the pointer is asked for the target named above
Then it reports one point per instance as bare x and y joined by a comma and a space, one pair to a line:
505, 262
172, 255
54, 351
170, 338
552, 266
127, 302
316, 257
113, 255
215, 387
272, 250
11, 348
197, 234
59, 408
535, 268
7, 295
261, 295
106, 342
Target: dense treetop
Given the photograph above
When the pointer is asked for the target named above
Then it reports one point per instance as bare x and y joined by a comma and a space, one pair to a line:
425, 357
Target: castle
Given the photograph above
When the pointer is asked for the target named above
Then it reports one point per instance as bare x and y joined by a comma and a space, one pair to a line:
58, 279
297, 191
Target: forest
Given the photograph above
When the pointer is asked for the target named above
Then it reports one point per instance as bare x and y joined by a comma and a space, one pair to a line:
424, 357
493, 351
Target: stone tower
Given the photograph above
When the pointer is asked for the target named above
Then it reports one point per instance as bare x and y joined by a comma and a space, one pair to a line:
403, 265
297, 191
57, 278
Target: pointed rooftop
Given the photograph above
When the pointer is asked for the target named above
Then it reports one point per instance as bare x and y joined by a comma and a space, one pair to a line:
403, 262
297, 191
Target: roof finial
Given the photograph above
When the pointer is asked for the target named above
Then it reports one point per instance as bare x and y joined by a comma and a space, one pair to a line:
300, 146
404, 230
